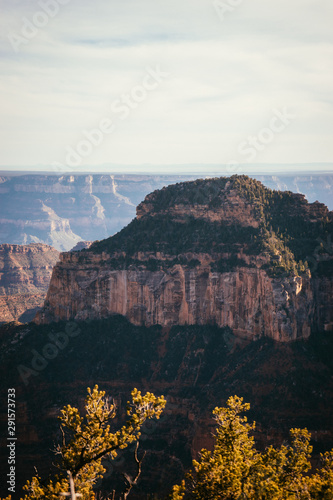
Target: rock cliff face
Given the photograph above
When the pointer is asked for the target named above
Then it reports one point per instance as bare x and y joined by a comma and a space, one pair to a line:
25, 273
245, 299
204, 252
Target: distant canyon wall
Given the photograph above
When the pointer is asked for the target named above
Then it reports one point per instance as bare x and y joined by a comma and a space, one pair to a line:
61, 210
25, 274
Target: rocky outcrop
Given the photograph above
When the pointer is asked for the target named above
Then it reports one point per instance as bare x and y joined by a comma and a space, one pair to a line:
232, 208
25, 273
22, 308
81, 245
246, 299
248, 281
60, 210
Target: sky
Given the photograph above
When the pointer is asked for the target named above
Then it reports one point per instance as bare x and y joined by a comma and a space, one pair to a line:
176, 82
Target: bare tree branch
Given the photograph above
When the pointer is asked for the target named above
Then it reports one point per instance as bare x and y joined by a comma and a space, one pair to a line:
133, 482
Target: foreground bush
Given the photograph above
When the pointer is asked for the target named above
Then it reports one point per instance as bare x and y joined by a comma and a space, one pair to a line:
87, 439
235, 470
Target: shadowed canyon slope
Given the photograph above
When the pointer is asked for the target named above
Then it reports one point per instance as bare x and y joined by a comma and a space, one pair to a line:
25, 273
224, 251
195, 367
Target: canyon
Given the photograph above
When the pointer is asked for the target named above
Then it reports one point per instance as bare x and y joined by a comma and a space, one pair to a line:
217, 287
61, 210
25, 274
158, 270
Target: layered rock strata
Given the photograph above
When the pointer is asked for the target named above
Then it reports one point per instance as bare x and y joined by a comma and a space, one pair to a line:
25, 273
246, 299
218, 252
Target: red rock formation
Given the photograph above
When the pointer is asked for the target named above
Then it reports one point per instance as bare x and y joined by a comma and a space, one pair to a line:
246, 299
25, 273
155, 282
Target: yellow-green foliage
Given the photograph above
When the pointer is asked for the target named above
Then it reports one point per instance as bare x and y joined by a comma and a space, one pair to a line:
276, 247
87, 439
236, 470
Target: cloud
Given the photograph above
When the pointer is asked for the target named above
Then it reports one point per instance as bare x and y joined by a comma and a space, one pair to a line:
225, 78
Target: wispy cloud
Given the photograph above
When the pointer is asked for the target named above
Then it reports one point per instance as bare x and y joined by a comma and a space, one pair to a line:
225, 78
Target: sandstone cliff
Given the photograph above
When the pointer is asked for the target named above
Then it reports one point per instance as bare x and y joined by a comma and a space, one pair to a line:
25, 273
245, 299
223, 251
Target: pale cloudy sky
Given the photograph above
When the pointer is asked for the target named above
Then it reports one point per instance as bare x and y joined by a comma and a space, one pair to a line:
227, 72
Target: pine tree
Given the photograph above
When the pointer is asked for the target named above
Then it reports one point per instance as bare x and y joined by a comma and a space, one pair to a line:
235, 470
87, 439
